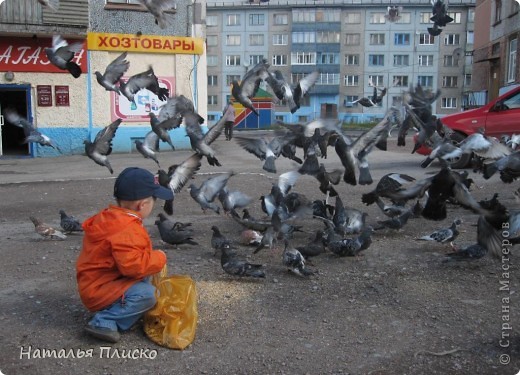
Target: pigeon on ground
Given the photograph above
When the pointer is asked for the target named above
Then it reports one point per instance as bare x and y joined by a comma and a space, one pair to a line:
46, 231
351, 246
113, 73
483, 146
488, 240
444, 151
251, 223
233, 199
174, 233
388, 184
294, 261
219, 241
248, 87
102, 145
347, 220
52, 4
508, 166
444, 235
263, 149
158, 8
250, 237
145, 80
149, 147
393, 13
237, 267
61, 54
200, 143
396, 222
208, 191
31, 134
284, 91
313, 248
69, 224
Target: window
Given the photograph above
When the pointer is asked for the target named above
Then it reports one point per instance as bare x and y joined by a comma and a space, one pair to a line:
351, 59
255, 59
328, 15
456, 16
451, 39
327, 36
351, 80
377, 18
352, 39
425, 81
303, 15
212, 118
377, 39
467, 79
376, 60
279, 60
397, 101
498, 11
232, 40
349, 99
304, 37
211, 40
402, 39
280, 19
280, 39
471, 15
425, 60
328, 58
449, 60
400, 81
401, 60
232, 77
425, 17
211, 21
212, 99
377, 80
303, 58
279, 118
303, 118
296, 77
426, 39
233, 60
449, 103
212, 80
449, 81
353, 18
212, 60
512, 60
256, 19
495, 48
405, 18
256, 39
328, 79
470, 37
233, 19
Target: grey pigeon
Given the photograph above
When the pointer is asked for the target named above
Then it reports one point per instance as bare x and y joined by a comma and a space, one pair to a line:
200, 143
149, 147
219, 241
444, 151
233, 199
61, 54
69, 223
263, 149
284, 91
52, 4
508, 166
294, 261
102, 145
351, 246
158, 8
208, 191
483, 146
488, 240
251, 223
45, 230
444, 235
145, 80
113, 73
313, 248
388, 184
393, 13
248, 87
238, 267
396, 222
174, 233
31, 134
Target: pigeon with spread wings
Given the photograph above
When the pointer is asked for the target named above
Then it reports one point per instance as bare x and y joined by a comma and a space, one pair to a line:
61, 54
247, 89
113, 73
102, 145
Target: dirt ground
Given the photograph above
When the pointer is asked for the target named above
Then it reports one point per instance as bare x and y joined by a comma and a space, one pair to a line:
398, 309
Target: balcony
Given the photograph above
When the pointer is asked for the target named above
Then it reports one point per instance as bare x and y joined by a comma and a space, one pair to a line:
28, 17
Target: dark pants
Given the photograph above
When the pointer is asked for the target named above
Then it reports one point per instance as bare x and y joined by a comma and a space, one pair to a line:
228, 129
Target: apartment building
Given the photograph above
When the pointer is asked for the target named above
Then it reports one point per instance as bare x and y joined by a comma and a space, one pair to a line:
351, 44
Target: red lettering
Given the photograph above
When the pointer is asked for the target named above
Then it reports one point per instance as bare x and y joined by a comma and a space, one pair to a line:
103, 41
167, 44
146, 43
157, 44
114, 42
176, 43
135, 42
187, 46
126, 42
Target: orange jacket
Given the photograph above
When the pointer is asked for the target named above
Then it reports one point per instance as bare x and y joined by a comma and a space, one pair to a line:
117, 252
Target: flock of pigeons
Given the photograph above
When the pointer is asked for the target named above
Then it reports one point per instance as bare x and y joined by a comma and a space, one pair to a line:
345, 231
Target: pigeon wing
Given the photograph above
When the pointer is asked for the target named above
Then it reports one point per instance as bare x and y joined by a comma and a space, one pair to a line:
255, 146
184, 172
115, 70
103, 140
214, 132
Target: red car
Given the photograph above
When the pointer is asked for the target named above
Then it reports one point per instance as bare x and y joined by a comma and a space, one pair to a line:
499, 117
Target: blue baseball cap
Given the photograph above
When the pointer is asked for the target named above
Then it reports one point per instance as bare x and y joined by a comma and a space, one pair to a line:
135, 183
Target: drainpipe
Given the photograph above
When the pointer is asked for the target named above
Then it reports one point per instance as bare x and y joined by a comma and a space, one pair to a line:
89, 98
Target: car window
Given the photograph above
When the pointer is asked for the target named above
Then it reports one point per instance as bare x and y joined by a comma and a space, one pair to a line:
513, 101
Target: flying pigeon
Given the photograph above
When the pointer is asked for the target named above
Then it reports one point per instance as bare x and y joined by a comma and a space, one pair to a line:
263, 149
443, 151
483, 146
145, 80
389, 183
508, 166
158, 8
393, 13
102, 145
294, 261
45, 230
233, 199
61, 54
284, 91
208, 191
247, 89
174, 233
440, 13
351, 246
200, 143
374, 100
113, 73
69, 223
31, 134
149, 147
238, 267
251, 223
53, 4
488, 240
444, 235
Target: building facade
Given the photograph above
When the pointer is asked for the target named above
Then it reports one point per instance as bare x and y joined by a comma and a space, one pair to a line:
351, 45
70, 110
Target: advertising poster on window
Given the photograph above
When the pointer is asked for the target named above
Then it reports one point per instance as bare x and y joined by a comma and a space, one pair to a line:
144, 102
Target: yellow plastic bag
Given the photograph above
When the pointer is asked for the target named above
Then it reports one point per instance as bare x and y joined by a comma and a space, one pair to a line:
173, 320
